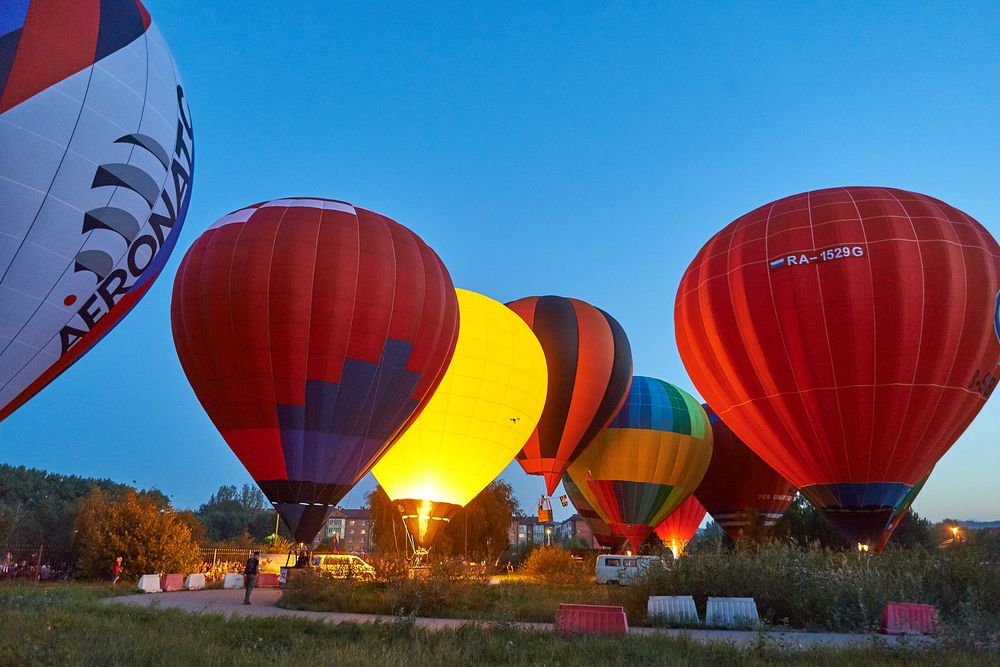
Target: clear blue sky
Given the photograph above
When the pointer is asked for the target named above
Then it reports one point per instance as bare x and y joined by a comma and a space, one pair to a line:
574, 148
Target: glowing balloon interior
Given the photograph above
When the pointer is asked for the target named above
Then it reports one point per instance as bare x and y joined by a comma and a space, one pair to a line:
478, 418
680, 525
96, 162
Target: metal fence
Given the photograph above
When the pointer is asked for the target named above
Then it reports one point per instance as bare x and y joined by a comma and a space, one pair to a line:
40, 562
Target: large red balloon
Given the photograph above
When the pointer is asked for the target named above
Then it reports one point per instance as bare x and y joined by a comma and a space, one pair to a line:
739, 486
848, 336
590, 370
680, 525
312, 331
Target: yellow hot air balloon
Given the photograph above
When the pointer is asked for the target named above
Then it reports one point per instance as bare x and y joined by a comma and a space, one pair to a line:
649, 459
480, 416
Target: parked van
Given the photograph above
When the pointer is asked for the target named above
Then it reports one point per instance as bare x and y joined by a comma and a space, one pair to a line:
623, 570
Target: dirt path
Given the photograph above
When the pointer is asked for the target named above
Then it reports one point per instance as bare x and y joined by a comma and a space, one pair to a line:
230, 603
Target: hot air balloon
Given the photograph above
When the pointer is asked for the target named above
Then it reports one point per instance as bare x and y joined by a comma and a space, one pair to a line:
651, 457
680, 525
847, 336
590, 365
312, 332
739, 487
95, 177
597, 525
478, 418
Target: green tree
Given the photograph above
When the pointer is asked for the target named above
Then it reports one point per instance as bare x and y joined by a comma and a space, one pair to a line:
231, 513
478, 532
912, 531
39, 507
804, 525
148, 536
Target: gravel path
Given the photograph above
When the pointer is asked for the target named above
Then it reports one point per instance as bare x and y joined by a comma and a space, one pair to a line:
265, 600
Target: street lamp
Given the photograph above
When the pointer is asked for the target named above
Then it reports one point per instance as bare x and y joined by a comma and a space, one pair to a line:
548, 536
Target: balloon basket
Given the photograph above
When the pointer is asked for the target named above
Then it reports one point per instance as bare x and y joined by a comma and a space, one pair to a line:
544, 510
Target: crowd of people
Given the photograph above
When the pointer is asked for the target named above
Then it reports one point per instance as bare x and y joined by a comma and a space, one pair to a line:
26, 567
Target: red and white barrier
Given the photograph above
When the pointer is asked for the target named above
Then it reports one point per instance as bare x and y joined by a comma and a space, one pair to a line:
149, 583
908, 618
267, 580
591, 619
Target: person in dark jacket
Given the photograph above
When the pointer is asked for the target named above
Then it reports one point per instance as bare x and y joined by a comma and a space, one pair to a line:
250, 570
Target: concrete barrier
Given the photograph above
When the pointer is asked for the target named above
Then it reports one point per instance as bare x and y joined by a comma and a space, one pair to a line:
908, 618
672, 609
267, 580
233, 580
172, 582
591, 619
194, 582
731, 612
149, 583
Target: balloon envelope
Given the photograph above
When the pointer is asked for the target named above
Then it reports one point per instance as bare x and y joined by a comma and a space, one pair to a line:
598, 526
848, 336
650, 458
311, 331
96, 162
589, 365
478, 418
680, 525
899, 513
739, 487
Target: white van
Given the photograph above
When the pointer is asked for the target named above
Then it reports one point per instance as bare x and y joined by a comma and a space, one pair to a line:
623, 570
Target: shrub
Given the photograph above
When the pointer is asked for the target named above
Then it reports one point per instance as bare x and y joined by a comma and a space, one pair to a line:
134, 527
553, 565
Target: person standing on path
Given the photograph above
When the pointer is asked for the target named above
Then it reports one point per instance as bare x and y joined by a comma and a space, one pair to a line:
116, 571
250, 574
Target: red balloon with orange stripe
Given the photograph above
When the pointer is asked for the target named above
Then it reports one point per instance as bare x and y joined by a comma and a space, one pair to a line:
590, 370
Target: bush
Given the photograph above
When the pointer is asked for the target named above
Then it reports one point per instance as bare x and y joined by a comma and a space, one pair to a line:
135, 527
553, 565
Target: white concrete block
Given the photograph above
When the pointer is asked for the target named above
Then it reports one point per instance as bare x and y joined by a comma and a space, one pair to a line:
233, 580
149, 583
194, 582
672, 608
732, 612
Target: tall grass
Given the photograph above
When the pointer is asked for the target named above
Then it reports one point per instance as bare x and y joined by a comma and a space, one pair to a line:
817, 589
67, 624
795, 587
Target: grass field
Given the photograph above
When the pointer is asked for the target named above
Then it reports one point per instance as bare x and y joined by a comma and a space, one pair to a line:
68, 624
